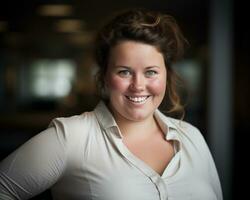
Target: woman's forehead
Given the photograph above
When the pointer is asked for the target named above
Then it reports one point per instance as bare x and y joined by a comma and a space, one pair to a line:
129, 51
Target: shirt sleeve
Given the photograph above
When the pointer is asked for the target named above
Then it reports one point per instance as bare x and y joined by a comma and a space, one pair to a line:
35, 166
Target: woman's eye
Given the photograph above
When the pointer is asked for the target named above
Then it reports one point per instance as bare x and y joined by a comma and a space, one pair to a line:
124, 73
151, 73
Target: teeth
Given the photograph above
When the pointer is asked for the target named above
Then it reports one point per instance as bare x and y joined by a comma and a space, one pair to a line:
137, 99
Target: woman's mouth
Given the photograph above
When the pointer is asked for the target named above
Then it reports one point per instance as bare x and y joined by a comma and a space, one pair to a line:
138, 99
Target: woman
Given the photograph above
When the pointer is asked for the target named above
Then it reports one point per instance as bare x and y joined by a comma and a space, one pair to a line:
126, 148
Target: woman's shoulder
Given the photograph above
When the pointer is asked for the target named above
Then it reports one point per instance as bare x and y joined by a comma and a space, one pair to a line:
183, 125
191, 136
74, 121
76, 127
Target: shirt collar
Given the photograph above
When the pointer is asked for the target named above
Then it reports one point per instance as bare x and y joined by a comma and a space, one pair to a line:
107, 120
104, 116
166, 126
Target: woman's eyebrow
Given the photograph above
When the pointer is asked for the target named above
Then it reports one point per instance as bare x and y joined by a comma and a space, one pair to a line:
129, 68
122, 66
154, 66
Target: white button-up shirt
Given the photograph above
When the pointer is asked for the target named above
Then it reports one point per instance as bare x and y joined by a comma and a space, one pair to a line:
83, 157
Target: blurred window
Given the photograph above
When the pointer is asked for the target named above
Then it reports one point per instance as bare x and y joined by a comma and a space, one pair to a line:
48, 79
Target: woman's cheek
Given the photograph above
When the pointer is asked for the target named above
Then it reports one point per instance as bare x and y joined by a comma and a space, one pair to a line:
157, 86
117, 83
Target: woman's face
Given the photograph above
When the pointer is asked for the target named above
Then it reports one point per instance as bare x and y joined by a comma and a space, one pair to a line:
135, 80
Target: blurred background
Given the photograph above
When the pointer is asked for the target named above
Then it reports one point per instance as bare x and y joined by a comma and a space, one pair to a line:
47, 70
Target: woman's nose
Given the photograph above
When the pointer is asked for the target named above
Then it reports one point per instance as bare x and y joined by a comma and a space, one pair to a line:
137, 83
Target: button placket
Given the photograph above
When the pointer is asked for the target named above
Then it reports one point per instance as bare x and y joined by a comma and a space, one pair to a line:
156, 179
160, 185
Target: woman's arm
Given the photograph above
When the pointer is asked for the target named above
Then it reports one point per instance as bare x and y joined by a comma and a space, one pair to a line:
35, 166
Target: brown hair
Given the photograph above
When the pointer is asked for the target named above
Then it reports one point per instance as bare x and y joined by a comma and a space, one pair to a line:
149, 27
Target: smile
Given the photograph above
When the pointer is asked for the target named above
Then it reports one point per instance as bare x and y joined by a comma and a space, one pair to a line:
140, 99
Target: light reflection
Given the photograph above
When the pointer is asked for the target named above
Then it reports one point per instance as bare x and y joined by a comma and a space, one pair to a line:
55, 10
52, 78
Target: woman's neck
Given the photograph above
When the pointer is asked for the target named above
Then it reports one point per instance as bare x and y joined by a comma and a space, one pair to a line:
143, 128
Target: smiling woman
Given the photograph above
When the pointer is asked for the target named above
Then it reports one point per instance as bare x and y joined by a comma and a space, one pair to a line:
155, 29
125, 148
136, 80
